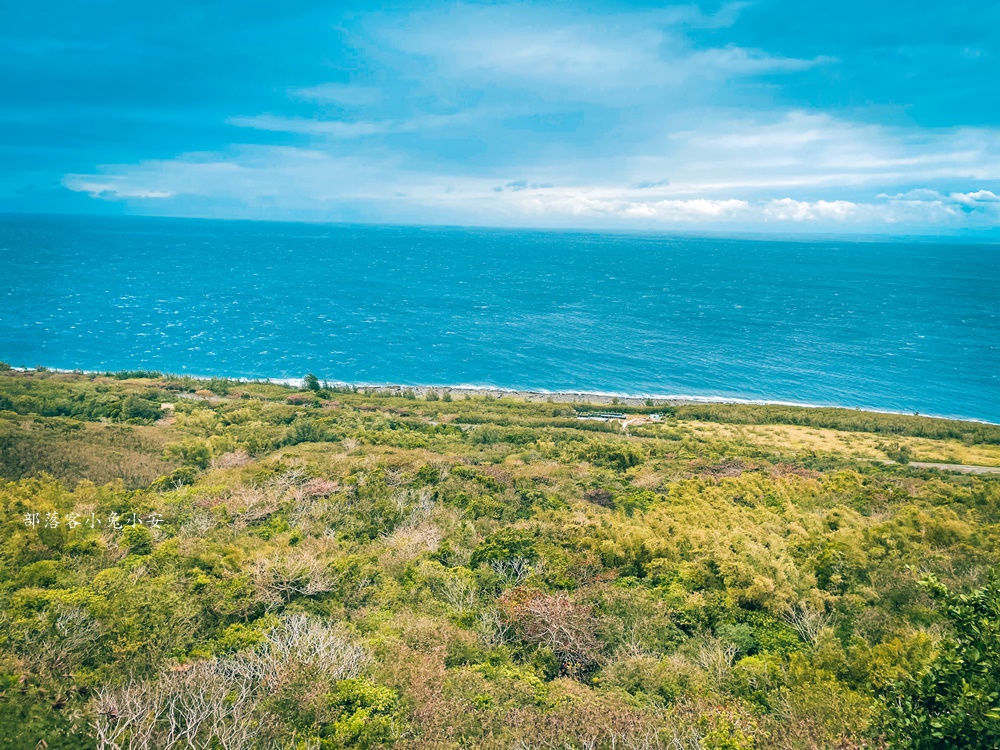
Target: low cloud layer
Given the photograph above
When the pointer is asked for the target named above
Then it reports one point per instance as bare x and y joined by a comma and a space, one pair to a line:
753, 175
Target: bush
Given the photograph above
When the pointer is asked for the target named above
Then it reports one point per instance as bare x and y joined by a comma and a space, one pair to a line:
901, 454
177, 478
219, 386
138, 540
506, 544
618, 455
637, 501
956, 701
365, 719
192, 452
568, 629
135, 409
135, 374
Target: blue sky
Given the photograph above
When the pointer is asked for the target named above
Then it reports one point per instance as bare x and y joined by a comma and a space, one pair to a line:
770, 116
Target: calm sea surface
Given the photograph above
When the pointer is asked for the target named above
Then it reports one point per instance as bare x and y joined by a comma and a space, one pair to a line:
887, 325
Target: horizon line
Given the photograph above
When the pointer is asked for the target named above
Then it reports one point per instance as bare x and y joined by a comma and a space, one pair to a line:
970, 235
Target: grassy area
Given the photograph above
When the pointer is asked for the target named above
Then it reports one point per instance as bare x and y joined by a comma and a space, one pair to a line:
851, 420
321, 569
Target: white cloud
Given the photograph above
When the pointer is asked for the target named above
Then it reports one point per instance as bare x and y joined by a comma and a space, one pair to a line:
976, 198
805, 150
328, 128
112, 188
642, 141
692, 16
342, 129
789, 209
929, 211
586, 56
554, 203
772, 152
348, 95
318, 185
739, 61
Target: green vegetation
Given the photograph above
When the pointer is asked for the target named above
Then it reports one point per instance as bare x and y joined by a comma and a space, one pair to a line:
955, 702
229, 565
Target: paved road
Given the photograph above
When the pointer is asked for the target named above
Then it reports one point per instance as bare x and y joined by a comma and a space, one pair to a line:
963, 468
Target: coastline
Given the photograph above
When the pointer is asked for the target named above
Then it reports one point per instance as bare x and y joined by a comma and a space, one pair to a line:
594, 398
598, 398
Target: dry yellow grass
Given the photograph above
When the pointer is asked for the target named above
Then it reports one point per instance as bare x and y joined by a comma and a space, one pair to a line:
853, 444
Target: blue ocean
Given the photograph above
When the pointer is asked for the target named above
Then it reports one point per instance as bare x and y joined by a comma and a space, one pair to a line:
909, 326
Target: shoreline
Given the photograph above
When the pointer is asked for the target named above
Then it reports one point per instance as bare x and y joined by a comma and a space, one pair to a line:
595, 398
598, 398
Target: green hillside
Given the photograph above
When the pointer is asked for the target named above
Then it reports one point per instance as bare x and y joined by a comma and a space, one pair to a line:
224, 565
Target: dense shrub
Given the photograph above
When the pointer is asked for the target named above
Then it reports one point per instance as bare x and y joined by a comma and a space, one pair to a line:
258, 566
955, 701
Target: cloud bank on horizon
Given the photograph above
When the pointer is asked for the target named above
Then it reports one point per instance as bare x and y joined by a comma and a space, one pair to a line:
776, 116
